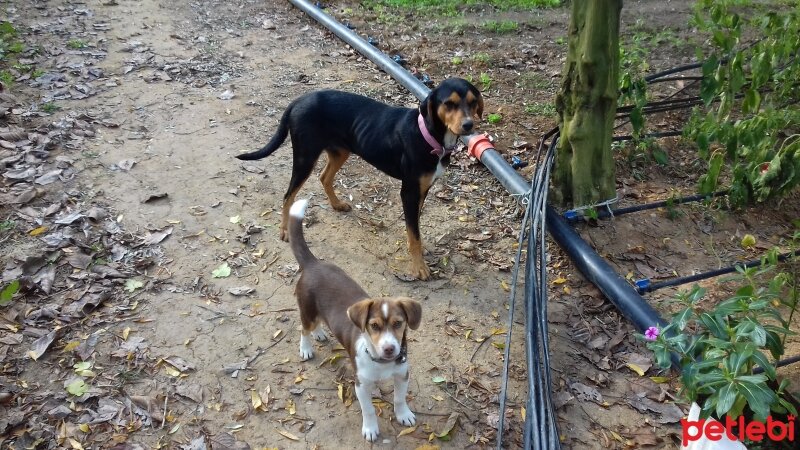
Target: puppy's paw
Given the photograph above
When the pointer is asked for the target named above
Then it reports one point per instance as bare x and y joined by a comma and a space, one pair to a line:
306, 354
284, 234
369, 429
404, 415
319, 335
306, 348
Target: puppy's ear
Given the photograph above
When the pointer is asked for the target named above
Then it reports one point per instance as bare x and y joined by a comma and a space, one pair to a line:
359, 313
413, 310
479, 109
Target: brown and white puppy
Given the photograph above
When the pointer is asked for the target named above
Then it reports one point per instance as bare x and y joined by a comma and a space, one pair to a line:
373, 330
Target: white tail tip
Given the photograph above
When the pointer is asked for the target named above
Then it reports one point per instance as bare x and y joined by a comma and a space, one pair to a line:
298, 209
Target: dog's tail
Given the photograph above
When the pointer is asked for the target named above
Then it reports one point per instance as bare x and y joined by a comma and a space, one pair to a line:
296, 239
274, 143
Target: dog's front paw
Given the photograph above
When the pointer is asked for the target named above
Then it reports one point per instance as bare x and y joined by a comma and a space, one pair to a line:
369, 429
420, 270
404, 415
341, 206
284, 234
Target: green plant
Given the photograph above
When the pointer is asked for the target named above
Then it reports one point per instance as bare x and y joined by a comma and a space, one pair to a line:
49, 107
541, 109
486, 80
76, 44
8, 291
7, 225
534, 80
6, 77
494, 118
457, 60
719, 347
502, 27
7, 42
483, 58
750, 124
632, 85
37, 73
561, 40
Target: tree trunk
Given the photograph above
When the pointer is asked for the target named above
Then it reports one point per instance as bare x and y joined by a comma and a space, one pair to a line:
586, 104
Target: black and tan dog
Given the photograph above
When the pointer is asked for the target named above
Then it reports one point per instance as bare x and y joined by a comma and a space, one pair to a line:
408, 144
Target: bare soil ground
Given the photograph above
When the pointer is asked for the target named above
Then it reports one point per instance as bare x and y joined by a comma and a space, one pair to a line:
152, 110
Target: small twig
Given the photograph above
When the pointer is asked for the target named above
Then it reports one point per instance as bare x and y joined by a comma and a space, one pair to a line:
164, 416
456, 400
478, 348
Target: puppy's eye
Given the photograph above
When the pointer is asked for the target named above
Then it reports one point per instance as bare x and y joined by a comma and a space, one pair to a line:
449, 105
375, 326
398, 325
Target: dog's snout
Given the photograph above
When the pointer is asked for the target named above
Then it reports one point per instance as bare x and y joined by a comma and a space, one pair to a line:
388, 351
467, 125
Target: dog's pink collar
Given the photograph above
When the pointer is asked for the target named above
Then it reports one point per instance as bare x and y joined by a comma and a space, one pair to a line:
438, 149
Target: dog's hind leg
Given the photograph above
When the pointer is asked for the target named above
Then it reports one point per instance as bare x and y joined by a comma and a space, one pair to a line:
310, 328
336, 159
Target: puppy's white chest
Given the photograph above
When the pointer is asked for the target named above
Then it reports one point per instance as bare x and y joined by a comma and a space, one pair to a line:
374, 371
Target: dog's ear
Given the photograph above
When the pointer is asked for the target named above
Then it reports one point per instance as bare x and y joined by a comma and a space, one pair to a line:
413, 310
426, 107
479, 109
359, 313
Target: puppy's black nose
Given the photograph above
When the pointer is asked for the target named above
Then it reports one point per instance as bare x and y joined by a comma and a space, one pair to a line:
467, 125
388, 351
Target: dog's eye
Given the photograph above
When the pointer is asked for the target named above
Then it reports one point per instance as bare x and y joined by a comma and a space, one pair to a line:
397, 324
449, 105
375, 326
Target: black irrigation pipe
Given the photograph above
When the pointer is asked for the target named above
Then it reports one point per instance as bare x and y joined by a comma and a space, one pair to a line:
574, 216
644, 285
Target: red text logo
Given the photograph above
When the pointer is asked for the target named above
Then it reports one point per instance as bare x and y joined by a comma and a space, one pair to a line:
755, 431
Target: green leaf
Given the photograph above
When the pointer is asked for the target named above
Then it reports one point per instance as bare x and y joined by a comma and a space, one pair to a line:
725, 398
762, 361
660, 156
759, 336
222, 271
752, 101
758, 396
77, 388
682, 318
8, 292
774, 344
438, 379
715, 325
133, 284
709, 181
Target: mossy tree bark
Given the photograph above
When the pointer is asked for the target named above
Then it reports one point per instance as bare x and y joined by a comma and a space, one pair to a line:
586, 104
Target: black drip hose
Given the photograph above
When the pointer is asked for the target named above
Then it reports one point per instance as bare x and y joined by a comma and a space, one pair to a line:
650, 287
573, 216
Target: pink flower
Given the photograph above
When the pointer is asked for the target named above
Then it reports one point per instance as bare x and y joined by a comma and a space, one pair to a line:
651, 334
